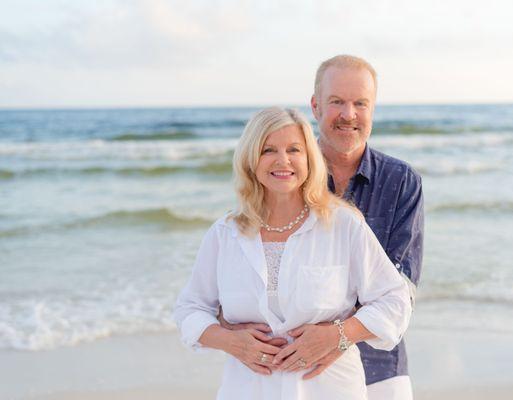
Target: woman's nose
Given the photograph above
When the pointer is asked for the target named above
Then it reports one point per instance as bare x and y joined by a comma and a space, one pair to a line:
283, 158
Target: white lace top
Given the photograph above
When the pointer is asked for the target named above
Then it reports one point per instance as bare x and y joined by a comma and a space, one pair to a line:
273, 252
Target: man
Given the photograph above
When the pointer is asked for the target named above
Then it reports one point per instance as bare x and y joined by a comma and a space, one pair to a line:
386, 190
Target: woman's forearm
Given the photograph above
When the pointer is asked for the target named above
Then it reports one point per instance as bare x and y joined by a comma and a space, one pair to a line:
355, 331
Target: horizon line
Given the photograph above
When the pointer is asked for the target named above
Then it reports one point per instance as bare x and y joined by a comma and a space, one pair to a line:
219, 106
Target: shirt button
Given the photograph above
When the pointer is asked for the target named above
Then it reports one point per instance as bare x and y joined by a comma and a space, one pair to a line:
398, 266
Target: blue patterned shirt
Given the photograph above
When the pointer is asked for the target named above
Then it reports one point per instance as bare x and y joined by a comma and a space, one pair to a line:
389, 194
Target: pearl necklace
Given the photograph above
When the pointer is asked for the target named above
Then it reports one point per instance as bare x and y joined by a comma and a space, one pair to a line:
287, 227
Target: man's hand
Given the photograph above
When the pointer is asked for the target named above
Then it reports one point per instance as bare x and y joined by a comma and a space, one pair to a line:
264, 328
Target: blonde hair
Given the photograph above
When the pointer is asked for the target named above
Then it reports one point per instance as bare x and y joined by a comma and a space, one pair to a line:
343, 61
250, 192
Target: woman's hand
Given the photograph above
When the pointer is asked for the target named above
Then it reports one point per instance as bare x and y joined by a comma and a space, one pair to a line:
323, 363
249, 346
311, 344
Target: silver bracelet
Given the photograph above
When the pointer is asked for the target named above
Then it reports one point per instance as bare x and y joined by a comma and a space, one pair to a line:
344, 343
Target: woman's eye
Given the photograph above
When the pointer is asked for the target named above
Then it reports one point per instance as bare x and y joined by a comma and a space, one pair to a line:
294, 149
267, 151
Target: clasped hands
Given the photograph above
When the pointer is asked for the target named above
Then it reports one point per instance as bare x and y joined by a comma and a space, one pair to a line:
314, 347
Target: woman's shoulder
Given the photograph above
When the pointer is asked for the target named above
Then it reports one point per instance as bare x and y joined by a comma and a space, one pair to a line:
347, 213
226, 223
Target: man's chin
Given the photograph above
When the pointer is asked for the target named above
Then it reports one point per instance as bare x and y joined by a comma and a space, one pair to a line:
347, 148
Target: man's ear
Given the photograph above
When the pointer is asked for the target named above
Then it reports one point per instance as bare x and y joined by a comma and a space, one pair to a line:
315, 107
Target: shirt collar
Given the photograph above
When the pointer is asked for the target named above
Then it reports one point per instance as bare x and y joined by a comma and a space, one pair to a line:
365, 167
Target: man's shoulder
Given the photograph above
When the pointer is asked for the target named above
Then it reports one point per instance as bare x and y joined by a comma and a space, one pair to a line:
389, 163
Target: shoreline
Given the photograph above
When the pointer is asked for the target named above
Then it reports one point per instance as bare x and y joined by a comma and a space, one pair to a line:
443, 365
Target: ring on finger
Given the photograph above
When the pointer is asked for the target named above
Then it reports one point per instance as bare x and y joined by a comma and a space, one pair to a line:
301, 362
263, 358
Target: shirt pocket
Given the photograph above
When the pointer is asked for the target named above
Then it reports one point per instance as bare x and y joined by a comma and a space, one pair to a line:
321, 287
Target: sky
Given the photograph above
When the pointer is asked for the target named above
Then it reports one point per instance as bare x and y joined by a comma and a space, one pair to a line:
144, 53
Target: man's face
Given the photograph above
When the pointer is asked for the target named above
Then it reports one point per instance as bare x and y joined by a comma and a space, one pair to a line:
343, 108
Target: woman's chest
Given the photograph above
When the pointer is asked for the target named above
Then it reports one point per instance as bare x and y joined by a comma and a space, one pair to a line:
313, 279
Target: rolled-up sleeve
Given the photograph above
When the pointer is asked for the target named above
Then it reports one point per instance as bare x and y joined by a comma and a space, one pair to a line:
383, 294
197, 305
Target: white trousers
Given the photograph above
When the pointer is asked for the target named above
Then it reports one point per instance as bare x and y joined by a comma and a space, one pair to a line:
396, 388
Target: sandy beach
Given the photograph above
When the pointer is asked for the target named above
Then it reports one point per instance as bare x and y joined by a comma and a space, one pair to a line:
444, 365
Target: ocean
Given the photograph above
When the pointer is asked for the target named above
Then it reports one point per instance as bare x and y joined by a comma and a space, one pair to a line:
102, 212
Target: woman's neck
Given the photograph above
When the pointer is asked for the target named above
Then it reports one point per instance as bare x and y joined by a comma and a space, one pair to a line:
283, 208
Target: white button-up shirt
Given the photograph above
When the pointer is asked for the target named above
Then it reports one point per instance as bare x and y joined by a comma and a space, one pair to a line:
324, 270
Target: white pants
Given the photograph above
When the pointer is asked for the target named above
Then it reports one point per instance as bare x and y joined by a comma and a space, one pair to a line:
396, 388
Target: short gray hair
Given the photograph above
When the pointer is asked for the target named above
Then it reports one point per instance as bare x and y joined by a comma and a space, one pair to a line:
343, 61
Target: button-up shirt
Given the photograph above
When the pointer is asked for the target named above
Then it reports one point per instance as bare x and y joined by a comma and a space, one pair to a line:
324, 269
389, 194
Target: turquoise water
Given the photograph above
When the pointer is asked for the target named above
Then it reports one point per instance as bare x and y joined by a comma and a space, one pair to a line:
102, 211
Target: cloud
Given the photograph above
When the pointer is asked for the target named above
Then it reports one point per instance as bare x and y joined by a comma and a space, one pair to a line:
183, 52
131, 34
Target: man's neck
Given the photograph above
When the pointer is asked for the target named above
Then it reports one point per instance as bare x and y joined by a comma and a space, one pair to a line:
342, 166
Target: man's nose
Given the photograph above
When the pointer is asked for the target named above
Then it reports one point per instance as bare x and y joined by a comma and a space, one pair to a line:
347, 112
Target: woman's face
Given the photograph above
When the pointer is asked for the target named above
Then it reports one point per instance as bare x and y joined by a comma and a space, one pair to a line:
283, 164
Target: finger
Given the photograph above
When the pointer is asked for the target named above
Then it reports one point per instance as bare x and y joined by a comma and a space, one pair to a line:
292, 369
247, 325
259, 335
267, 348
265, 361
295, 367
297, 331
293, 363
330, 358
278, 341
258, 369
314, 372
284, 353
259, 327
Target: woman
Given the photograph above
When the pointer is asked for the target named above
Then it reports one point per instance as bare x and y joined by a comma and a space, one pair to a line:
291, 256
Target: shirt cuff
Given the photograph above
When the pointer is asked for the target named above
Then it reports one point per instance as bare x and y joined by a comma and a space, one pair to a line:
387, 336
193, 327
411, 286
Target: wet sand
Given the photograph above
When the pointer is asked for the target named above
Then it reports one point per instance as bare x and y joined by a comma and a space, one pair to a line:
444, 365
